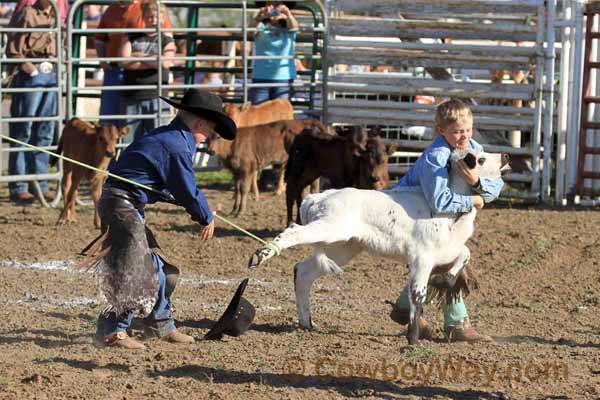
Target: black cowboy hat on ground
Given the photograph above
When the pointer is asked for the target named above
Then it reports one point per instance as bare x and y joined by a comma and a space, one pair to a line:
288, 4
236, 319
209, 106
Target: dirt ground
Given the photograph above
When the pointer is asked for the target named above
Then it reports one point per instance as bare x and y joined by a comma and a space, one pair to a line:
539, 299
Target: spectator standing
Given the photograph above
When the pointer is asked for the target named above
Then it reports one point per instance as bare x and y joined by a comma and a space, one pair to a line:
276, 36
32, 104
121, 14
144, 72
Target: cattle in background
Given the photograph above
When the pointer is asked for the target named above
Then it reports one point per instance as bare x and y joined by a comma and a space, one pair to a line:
251, 115
91, 144
352, 158
255, 147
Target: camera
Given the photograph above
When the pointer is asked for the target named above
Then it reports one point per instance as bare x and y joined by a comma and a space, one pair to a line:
273, 12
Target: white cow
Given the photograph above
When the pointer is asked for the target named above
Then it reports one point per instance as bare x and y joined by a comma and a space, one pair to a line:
395, 223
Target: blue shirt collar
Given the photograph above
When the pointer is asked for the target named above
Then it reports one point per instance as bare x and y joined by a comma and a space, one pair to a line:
178, 124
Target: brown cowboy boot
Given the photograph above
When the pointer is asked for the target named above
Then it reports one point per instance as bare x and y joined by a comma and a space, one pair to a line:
402, 316
464, 332
122, 340
177, 337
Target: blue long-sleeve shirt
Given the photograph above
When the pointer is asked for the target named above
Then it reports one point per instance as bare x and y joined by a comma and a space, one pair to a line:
430, 173
163, 160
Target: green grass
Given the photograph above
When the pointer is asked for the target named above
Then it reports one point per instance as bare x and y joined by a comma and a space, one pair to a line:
214, 177
420, 353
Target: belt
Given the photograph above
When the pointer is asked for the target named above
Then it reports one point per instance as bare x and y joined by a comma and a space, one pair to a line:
123, 195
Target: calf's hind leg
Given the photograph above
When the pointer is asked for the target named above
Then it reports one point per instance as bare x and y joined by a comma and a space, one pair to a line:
326, 259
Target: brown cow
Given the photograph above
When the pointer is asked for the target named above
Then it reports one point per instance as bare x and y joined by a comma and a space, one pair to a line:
351, 158
255, 147
90, 144
251, 115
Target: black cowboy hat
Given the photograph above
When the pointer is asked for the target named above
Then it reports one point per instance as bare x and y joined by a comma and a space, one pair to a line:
206, 105
288, 4
237, 317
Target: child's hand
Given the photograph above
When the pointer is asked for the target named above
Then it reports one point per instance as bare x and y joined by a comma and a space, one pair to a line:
478, 202
469, 175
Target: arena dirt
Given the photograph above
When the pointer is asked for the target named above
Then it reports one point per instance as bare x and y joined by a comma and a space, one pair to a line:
539, 292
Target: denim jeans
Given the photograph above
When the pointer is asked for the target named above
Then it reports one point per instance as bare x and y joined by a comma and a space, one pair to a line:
259, 95
31, 104
110, 100
160, 319
138, 127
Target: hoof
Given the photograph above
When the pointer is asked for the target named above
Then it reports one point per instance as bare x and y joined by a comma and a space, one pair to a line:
305, 327
412, 342
254, 261
263, 255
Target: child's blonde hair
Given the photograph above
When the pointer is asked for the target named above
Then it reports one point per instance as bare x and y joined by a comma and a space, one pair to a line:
450, 112
151, 5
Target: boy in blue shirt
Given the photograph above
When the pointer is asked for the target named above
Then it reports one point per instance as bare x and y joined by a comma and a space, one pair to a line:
454, 123
133, 275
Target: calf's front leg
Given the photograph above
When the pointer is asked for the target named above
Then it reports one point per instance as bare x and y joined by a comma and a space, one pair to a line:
420, 271
65, 185
96, 185
246, 182
255, 186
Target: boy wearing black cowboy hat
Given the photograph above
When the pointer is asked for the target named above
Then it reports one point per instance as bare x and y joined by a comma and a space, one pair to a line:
133, 277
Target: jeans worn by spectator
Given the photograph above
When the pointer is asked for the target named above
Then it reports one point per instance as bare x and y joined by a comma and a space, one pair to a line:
110, 100
160, 321
139, 126
39, 133
258, 95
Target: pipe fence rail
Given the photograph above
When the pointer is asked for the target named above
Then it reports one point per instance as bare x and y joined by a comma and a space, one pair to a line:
382, 62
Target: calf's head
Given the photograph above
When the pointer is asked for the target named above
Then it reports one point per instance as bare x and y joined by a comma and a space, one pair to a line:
487, 165
107, 136
215, 144
233, 110
373, 163
314, 128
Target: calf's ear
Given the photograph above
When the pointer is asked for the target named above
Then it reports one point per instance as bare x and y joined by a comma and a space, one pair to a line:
470, 160
124, 131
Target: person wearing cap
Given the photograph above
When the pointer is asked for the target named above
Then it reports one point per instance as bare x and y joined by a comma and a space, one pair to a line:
133, 277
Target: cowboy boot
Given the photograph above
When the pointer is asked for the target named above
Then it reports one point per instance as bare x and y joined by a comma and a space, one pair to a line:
177, 337
122, 340
465, 332
402, 317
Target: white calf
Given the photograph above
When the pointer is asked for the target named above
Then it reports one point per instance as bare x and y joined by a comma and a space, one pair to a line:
395, 223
